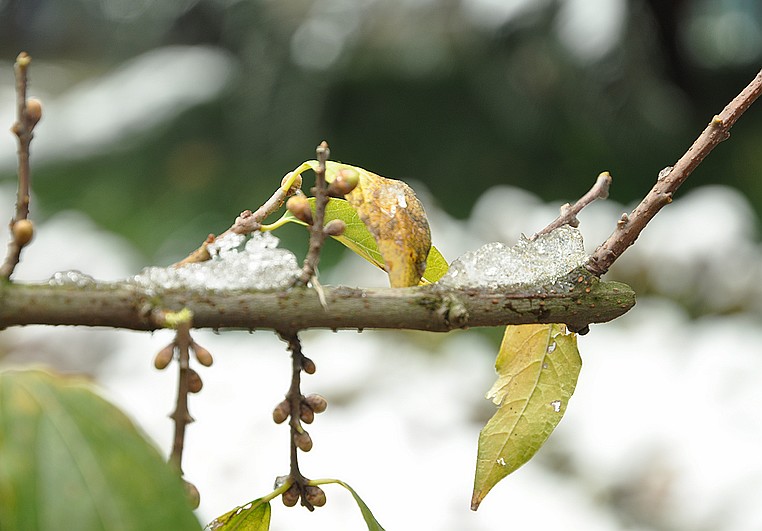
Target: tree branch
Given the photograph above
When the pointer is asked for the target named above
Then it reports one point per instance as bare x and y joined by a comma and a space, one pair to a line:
583, 299
630, 226
28, 113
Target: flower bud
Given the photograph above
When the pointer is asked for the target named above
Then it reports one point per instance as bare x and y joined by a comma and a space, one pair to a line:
33, 111
308, 365
306, 413
335, 227
303, 441
194, 497
281, 412
23, 231
203, 356
164, 356
317, 403
346, 181
296, 185
314, 495
299, 206
194, 381
291, 496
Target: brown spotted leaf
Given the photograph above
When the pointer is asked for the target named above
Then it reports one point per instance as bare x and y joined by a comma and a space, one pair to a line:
394, 216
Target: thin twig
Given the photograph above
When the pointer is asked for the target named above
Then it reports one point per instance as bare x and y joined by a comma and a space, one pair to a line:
22, 128
294, 398
630, 226
317, 234
568, 215
246, 223
181, 416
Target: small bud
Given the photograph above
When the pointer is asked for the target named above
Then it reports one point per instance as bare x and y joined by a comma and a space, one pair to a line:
303, 441
299, 206
291, 496
203, 356
23, 231
194, 381
296, 185
33, 111
346, 181
335, 227
164, 356
306, 413
281, 412
314, 495
308, 365
194, 497
317, 403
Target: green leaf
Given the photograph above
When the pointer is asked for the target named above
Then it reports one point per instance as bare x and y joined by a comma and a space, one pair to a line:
370, 520
358, 238
254, 516
71, 460
538, 366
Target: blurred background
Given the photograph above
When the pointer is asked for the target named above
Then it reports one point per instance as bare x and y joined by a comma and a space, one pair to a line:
163, 120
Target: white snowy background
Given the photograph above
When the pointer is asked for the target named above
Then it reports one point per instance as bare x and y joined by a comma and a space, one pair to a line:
663, 431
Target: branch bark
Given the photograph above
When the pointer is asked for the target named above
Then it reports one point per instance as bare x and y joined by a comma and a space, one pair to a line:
581, 300
630, 226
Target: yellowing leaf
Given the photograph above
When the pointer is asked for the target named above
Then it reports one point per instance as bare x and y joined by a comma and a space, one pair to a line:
538, 366
358, 238
396, 219
254, 516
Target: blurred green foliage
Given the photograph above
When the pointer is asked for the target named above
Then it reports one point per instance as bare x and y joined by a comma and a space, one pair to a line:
423, 91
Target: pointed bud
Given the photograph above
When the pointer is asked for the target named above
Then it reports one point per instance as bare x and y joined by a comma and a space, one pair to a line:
299, 206
291, 496
203, 356
317, 403
33, 111
314, 495
346, 181
281, 412
23, 231
164, 357
194, 381
191, 492
335, 227
308, 365
306, 414
303, 441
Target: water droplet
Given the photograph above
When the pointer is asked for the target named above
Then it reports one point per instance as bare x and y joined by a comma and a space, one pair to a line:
551, 347
556, 406
545, 365
500, 461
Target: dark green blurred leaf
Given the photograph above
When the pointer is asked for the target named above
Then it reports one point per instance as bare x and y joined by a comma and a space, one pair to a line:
71, 460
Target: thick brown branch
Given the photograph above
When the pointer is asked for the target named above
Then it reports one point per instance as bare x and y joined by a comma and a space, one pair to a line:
432, 307
630, 226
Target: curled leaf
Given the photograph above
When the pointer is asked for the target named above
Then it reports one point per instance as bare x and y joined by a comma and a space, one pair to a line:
538, 366
358, 238
394, 216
